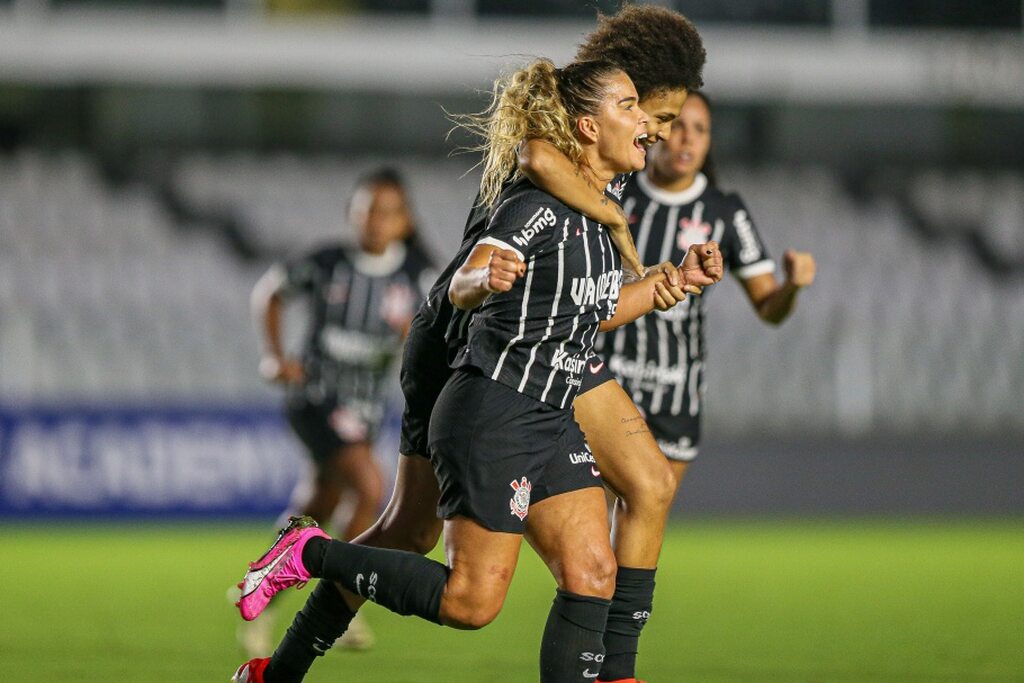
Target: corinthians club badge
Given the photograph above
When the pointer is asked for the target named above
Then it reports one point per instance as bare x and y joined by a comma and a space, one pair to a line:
520, 502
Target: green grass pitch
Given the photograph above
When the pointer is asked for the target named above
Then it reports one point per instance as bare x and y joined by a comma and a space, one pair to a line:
736, 601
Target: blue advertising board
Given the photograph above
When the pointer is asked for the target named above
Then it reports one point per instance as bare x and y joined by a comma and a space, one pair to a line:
138, 460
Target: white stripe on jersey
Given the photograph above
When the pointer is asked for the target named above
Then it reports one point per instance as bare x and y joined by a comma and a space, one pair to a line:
677, 395
377, 286
554, 311
695, 388
692, 367
645, 228
575, 322
586, 245
522, 322
605, 236
694, 335
718, 230
590, 270
670, 234
641, 324
356, 301
620, 339
663, 360
643, 234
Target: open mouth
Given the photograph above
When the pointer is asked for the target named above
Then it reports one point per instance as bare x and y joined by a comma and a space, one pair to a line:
641, 143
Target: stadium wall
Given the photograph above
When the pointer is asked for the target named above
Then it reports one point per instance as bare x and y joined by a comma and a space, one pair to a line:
104, 461
101, 462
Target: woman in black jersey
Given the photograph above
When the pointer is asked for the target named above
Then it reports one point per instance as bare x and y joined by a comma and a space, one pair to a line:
663, 53
503, 441
659, 360
361, 300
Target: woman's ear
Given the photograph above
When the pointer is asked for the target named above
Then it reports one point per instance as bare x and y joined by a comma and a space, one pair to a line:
587, 128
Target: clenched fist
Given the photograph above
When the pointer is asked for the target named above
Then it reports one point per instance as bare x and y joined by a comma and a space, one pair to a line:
702, 266
668, 286
503, 269
282, 370
800, 267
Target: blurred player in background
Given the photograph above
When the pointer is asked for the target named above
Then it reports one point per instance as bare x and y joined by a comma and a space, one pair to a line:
675, 203
361, 301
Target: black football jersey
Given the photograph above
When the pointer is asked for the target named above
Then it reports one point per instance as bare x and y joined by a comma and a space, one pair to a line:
359, 305
445, 318
537, 337
659, 358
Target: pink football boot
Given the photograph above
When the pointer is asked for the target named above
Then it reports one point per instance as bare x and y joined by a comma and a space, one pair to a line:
279, 568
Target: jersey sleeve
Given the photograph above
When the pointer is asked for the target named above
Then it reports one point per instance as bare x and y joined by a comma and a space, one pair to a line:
302, 273
524, 223
745, 251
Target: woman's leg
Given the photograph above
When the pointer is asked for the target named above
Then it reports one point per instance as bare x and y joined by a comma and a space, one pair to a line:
409, 522
467, 594
633, 467
354, 471
570, 533
636, 470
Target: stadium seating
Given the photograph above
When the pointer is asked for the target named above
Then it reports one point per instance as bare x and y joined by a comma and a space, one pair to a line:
106, 298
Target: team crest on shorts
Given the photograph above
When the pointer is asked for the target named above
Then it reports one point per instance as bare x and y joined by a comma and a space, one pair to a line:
520, 502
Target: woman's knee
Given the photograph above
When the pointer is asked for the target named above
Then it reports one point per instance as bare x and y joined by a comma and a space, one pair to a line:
470, 607
470, 617
590, 573
414, 534
650, 489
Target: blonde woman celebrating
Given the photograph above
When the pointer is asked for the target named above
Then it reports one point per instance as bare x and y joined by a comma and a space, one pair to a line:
509, 457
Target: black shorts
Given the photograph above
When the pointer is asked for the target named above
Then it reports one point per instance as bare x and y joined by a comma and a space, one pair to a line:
496, 451
677, 435
424, 373
324, 428
595, 374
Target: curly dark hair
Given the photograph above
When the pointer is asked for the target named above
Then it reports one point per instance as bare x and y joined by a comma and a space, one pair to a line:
659, 49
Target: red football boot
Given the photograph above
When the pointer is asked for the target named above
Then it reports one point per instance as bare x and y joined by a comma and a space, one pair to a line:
251, 671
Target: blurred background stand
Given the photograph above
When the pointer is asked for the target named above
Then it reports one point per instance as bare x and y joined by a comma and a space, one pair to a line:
155, 156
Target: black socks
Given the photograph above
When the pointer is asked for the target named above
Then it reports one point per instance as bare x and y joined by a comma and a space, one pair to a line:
322, 620
571, 648
403, 582
630, 609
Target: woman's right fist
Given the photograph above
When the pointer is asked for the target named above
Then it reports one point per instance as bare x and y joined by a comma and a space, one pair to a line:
503, 269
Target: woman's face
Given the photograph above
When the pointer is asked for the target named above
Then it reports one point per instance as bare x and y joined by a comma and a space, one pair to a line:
621, 126
380, 216
662, 110
684, 152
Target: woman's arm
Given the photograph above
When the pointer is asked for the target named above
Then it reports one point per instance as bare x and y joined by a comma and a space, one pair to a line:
267, 310
660, 289
489, 269
553, 172
668, 284
774, 302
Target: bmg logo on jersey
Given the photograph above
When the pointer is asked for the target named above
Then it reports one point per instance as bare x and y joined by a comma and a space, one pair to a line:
588, 291
543, 218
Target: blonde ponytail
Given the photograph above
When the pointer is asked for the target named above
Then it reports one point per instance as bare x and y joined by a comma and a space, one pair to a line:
536, 102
